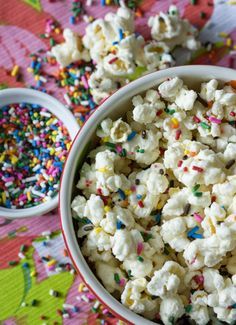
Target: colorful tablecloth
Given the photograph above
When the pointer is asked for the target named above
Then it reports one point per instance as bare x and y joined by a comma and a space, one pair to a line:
25, 287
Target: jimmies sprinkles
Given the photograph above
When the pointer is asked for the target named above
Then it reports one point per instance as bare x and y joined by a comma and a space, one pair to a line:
33, 149
156, 209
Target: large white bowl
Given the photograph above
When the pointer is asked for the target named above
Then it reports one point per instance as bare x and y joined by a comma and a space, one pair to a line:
116, 106
23, 95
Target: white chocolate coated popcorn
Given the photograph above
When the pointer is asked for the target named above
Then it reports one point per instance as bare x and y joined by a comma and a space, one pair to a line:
156, 208
70, 51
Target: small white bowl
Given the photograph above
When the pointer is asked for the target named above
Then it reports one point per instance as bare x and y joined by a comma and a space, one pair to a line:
115, 106
22, 95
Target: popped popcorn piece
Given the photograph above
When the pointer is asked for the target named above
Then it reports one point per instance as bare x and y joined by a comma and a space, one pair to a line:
108, 275
170, 88
171, 309
185, 99
71, 50
138, 265
166, 280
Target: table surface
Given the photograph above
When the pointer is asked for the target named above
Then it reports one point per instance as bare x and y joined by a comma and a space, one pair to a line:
21, 24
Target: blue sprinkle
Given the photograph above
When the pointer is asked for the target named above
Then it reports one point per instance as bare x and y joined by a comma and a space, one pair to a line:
72, 20
115, 43
45, 244
122, 194
119, 224
131, 135
75, 309
25, 265
139, 196
233, 306
192, 231
197, 236
158, 217
103, 2
121, 36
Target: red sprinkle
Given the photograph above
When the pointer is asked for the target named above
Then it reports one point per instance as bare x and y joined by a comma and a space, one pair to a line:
196, 119
158, 113
213, 198
140, 203
180, 162
232, 113
178, 134
198, 169
113, 60
99, 191
185, 169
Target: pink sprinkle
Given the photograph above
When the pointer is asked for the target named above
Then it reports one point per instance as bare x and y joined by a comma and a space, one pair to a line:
139, 248
214, 120
133, 188
105, 311
193, 261
90, 296
199, 279
85, 82
122, 282
197, 217
119, 149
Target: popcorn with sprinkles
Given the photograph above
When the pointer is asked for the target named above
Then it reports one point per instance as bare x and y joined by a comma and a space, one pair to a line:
156, 203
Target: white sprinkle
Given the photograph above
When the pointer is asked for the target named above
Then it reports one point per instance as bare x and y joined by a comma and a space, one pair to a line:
37, 167
29, 179
45, 114
58, 149
68, 306
58, 269
86, 18
76, 82
41, 78
37, 193
84, 298
7, 184
78, 298
46, 233
85, 289
66, 315
67, 99
23, 304
96, 305
84, 102
89, 2
72, 271
88, 69
21, 255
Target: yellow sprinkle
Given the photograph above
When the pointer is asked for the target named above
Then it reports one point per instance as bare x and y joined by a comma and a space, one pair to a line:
107, 208
127, 33
52, 262
35, 114
14, 159
2, 157
4, 197
15, 71
76, 94
63, 75
33, 273
102, 169
108, 2
175, 123
105, 139
29, 69
36, 77
228, 42
186, 152
97, 230
28, 196
50, 179
57, 30
63, 83
160, 205
234, 47
35, 160
212, 227
49, 122
113, 48
22, 229
128, 192
91, 19
223, 34
68, 146
81, 286
120, 322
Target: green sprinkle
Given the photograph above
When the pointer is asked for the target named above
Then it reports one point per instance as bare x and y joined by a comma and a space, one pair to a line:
22, 248
188, 308
12, 263
110, 145
141, 151
171, 319
34, 302
140, 259
193, 2
129, 274
52, 42
117, 278
205, 126
195, 188
197, 194
123, 153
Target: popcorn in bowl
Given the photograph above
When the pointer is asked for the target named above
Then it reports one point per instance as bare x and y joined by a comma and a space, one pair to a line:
156, 208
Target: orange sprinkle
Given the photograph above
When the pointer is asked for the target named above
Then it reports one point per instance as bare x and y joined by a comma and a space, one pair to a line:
209, 104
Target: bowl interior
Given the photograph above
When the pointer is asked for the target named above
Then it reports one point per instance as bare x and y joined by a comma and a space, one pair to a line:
115, 107
22, 95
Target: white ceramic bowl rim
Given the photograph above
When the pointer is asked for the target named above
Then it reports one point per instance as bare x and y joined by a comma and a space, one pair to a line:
200, 72
24, 95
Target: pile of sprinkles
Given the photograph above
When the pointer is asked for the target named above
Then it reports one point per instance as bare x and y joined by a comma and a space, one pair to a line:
33, 149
